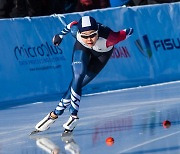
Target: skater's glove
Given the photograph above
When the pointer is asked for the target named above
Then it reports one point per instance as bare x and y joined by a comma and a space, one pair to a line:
129, 32
57, 39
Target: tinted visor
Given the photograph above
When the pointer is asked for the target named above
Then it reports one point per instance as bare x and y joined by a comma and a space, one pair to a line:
90, 35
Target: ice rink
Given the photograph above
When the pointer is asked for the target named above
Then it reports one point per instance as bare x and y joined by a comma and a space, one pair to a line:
133, 117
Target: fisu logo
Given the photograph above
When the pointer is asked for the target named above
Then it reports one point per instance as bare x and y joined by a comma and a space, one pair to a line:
147, 52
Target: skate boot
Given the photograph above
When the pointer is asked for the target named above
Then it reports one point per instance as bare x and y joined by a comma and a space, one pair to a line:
45, 123
70, 124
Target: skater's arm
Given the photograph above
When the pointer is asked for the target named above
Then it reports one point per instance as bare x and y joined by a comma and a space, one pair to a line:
67, 28
57, 39
115, 37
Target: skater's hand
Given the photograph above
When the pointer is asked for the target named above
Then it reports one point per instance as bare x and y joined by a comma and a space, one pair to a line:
129, 32
57, 39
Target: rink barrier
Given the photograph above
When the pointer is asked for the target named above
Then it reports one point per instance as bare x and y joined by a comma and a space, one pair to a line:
32, 68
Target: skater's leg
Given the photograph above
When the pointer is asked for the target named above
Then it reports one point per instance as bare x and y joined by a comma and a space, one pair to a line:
72, 96
80, 63
95, 65
63, 104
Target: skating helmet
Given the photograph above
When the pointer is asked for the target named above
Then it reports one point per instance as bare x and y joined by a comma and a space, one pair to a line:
87, 23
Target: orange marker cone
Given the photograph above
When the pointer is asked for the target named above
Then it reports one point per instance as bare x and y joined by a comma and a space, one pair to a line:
166, 124
109, 141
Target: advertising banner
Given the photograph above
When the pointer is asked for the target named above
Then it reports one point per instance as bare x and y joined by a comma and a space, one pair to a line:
31, 67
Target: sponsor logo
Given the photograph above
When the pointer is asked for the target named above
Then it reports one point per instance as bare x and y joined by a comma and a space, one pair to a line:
77, 62
120, 52
43, 50
147, 52
40, 57
146, 47
167, 44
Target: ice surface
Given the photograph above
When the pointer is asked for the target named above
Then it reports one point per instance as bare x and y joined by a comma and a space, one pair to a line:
133, 117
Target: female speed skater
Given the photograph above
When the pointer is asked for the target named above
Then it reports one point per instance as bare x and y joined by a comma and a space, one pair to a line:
92, 49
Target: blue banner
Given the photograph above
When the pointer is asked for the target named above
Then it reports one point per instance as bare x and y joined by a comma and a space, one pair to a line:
32, 67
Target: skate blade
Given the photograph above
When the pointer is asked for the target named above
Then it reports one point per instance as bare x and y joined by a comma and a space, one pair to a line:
66, 133
34, 132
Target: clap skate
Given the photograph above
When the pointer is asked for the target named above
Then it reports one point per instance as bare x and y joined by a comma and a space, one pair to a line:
70, 125
44, 124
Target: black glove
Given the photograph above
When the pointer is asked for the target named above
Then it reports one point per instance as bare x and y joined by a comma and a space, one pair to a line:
129, 31
57, 40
